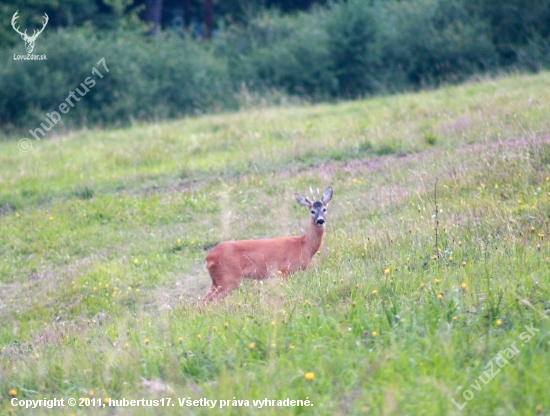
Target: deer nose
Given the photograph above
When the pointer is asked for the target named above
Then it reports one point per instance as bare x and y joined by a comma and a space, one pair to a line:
320, 221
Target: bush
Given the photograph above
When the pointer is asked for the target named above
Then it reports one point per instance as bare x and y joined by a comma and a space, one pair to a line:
289, 53
433, 41
354, 48
324, 53
358, 47
513, 25
165, 77
535, 55
347, 49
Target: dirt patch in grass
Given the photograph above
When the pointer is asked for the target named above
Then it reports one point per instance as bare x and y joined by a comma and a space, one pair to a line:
400, 162
455, 126
405, 165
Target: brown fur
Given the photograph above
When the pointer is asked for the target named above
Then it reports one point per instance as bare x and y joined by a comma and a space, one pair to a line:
230, 261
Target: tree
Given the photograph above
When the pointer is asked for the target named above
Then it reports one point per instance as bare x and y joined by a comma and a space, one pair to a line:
153, 14
209, 17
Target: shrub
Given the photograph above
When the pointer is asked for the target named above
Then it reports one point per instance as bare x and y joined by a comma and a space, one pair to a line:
165, 77
347, 49
289, 53
355, 53
433, 41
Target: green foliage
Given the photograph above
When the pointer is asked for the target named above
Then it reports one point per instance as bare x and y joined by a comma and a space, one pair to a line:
535, 55
355, 48
101, 14
353, 30
165, 77
345, 49
514, 23
282, 52
433, 41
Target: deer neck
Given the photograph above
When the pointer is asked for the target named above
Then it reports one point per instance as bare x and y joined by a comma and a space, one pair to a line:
314, 238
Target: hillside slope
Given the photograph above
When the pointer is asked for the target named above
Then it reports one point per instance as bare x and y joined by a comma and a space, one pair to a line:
103, 236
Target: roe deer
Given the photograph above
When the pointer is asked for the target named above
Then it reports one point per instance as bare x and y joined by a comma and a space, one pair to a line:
230, 261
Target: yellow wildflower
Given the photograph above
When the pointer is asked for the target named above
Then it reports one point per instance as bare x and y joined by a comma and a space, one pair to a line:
309, 376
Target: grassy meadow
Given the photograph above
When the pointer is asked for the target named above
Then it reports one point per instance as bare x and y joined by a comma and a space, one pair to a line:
103, 236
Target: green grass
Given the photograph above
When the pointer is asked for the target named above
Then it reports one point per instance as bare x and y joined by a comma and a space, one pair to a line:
102, 237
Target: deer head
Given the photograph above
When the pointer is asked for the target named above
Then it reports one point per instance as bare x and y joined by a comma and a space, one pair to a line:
29, 40
318, 208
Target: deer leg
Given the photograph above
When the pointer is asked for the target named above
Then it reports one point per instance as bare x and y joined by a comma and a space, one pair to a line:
219, 291
211, 294
224, 280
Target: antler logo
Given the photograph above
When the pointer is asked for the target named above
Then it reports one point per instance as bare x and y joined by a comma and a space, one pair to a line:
29, 40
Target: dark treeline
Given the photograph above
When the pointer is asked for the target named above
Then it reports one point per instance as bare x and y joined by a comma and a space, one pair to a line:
171, 58
198, 17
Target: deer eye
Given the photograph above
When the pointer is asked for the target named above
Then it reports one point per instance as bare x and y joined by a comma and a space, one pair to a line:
313, 212
324, 210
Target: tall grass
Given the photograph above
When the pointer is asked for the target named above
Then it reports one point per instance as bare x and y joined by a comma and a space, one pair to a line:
103, 236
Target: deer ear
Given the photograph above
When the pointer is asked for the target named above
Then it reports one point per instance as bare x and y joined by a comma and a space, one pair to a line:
303, 201
327, 196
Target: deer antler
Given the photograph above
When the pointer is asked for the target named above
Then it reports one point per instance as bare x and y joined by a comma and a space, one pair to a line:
24, 34
36, 33
13, 19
